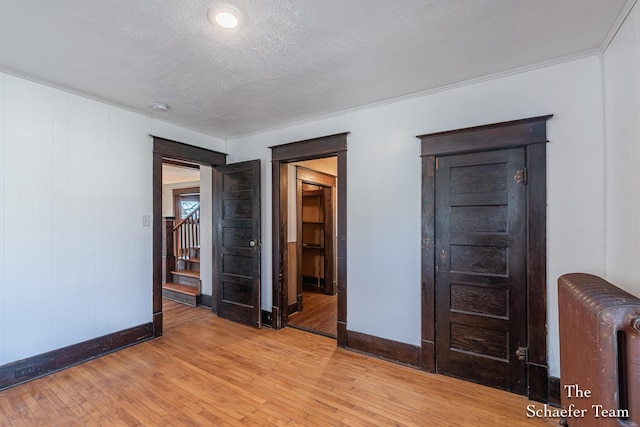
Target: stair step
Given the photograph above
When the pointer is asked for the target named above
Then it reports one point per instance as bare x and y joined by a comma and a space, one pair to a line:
187, 273
183, 289
190, 259
183, 294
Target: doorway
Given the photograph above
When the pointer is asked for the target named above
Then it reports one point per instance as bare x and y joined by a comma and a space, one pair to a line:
484, 255
235, 249
186, 234
311, 263
285, 281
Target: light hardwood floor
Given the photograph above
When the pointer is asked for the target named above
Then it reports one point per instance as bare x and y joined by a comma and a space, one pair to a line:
320, 314
207, 371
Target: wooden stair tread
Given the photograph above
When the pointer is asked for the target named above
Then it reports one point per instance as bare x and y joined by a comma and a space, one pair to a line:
188, 273
190, 259
183, 289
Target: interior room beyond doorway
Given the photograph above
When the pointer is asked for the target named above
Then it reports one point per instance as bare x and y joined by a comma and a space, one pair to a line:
311, 243
182, 211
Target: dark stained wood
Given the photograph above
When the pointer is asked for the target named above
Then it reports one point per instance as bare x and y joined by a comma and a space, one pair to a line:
156, 224
328, 241
553, 388
299, 287
393, 351
342, 248
538, 377
61, 358
427, 267
514, 133
266, 318
238, 213
208, 371
483, 261
163, 151
168, 257
308, 149
279, 206
449, 142
213, 303
536, 269
206, 301
188, 153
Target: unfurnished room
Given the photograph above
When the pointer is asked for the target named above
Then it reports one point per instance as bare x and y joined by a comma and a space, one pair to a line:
299, 212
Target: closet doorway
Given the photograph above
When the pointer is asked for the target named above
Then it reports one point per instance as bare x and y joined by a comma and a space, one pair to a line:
305, 287
312, 302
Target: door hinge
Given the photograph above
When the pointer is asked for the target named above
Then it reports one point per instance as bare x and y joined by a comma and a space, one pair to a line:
523, 353
521, 176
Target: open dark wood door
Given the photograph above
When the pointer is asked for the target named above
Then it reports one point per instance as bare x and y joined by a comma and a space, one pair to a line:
481, 288
238, 242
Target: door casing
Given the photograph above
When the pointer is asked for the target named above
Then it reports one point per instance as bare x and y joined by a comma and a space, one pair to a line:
531, 134
316, 148
165, 148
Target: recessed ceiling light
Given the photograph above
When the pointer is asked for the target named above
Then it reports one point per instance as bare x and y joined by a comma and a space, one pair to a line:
159, 107
227, 17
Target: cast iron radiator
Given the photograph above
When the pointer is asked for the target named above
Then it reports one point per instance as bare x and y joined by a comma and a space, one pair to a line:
599, 352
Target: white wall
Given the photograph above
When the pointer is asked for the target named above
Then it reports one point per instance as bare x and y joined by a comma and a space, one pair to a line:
75, 261
206, 229
167, 195
75, 181
622, 88
384, 180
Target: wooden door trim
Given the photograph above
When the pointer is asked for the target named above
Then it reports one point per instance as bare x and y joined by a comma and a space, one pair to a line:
531, 134
515, 133
309, 149
315, 177
188, 153
328, 146
165, 148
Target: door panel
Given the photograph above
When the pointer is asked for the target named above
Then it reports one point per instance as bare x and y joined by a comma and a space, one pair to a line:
481, 268
238, 242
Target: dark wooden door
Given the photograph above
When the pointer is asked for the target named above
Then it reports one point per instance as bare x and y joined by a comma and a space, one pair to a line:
481, 242
238, 242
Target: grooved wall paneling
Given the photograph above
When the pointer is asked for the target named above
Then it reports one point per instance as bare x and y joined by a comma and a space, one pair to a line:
622, 109
75, 182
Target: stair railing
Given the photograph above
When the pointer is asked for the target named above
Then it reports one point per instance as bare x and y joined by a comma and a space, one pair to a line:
187, 233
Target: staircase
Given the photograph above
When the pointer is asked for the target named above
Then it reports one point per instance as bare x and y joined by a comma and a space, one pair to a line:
183, 284
181, 251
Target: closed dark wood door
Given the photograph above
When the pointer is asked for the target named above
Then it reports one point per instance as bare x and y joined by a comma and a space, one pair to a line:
481, 289
238, 242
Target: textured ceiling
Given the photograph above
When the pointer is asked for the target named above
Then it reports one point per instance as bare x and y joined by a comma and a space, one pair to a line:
293, 59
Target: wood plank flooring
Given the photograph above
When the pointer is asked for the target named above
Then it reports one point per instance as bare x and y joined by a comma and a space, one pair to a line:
320, 314
208, 371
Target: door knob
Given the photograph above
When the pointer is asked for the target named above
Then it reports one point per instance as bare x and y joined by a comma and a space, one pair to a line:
254, 243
